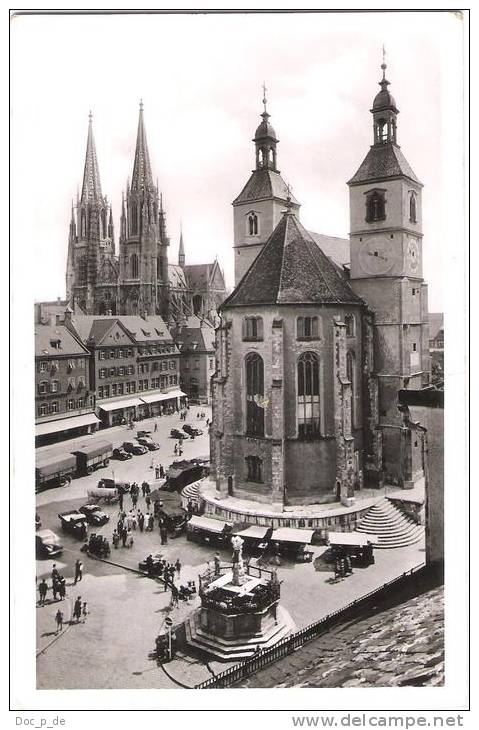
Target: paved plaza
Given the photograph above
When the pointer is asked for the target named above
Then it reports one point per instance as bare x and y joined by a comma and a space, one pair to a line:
114, 647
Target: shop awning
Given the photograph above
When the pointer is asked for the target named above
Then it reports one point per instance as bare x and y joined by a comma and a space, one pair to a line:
157, 397
359, 539
257, 532
115, 405
290, 534
206, 523
65, 424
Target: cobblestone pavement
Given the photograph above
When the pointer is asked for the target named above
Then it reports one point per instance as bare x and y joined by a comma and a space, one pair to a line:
112, 648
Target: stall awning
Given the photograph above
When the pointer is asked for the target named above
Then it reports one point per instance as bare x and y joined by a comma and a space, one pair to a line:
206, 523
65, 424
290, 534
157, 397
254, 531
359, 539
115, 405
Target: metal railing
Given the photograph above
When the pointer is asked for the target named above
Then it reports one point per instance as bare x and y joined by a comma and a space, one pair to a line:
294, 641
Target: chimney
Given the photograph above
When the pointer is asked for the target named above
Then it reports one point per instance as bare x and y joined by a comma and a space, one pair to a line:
67, 316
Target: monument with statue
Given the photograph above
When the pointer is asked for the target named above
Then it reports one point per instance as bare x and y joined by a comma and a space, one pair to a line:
240, 611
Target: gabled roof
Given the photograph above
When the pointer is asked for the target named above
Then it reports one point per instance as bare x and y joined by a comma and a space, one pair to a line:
383, 161
92, 329
337, 249
197, 336
265, 184
292, 269
199, 275
45, 335
146, 330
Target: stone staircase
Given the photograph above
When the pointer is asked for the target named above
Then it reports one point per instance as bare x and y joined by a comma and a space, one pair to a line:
393, 528
191, 493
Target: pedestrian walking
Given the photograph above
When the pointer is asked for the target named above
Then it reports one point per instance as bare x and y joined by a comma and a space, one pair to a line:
124, 534
54, 574
163, 535
85, 611
134, 500
348, 568
141, 521
180, 450
151, 522
156, 427
143, 490
175, 450
115, 539
120, 502
129, 539
157, 472
217, 563
77, 609
42, 589
174, 595
148, 501
62, 586
78, 571
59, 621
162, 471
178, 566
55, 588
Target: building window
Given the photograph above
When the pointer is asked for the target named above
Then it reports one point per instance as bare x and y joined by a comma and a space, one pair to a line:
120, 389
112, 371
412, 207
100, 391
308, 396
70, 404
107, 391
134, 266
43, 410
80, 403
375, 206
186, 364
120, 353
101, 354
351, 376
212, 363
307, 328
54, 386
43, 367
253, 329
43, 387
81, 382
129, 353
350, 322
102, 373
254, 469
254, 395
252, 224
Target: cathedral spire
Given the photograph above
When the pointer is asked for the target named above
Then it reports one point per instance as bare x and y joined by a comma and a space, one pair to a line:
181, 251
142, 178
91, 188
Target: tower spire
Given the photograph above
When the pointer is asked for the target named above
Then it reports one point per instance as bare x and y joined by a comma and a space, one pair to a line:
181, 250
91, 188
265, 140
384, 110
142, 178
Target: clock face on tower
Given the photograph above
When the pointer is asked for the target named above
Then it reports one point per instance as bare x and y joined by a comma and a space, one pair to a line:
377, 256
412, 255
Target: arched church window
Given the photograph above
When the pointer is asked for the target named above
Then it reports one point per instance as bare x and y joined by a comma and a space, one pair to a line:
134, 219
134, 266
307, 328
350, 323
375, 206
308, 406
351, 376
255, 405
254, 469
253, 224
382, 130
412, 208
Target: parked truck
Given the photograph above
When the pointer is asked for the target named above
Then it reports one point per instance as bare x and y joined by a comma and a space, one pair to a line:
93, 457
54, 470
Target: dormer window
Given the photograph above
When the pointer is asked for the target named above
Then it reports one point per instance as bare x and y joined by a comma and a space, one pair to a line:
412, 207
252, 224
55, 344
375, 206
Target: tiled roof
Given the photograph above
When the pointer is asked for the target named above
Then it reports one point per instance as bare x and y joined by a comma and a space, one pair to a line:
337, 249
93, 328
383, 161
198, 336
176, 276
290, 269
46, 334
264, 184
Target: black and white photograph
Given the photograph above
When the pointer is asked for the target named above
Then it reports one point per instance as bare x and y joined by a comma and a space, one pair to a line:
238, 250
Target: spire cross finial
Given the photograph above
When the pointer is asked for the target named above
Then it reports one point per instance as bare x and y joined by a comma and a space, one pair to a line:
383, 65
90, 116
141, 105
264, 96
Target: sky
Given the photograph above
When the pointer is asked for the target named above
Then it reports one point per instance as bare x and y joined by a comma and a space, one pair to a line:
200, 78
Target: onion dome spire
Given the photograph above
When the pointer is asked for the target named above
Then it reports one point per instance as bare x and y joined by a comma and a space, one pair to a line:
91, 188
384, 111
265, 140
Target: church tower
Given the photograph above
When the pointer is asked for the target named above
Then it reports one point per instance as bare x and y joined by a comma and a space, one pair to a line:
260, 205
143, 240
91, 246
386, 271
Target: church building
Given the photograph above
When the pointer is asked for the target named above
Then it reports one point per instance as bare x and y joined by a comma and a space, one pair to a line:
140, 280
311, 352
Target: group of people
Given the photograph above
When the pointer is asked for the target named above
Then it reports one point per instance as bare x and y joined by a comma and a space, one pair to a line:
98, 545
59, 591
178, 449
80, 609
342, 567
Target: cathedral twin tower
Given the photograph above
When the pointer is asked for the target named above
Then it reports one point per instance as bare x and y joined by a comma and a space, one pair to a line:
135, 282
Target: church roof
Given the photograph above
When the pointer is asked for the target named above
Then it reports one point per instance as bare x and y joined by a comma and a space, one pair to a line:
91, 188
176, 276
198, 275
383, 161
292, 269
337, 249
265, 184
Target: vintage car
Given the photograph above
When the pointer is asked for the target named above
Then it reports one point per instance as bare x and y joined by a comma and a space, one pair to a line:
176, 434
175, 518
148, 442
192, 430
94, 515
74, 522
121, 454
47, 544
107, 483
143, 434
135, 449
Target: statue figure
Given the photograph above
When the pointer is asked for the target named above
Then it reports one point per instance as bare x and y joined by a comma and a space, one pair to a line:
237, 544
